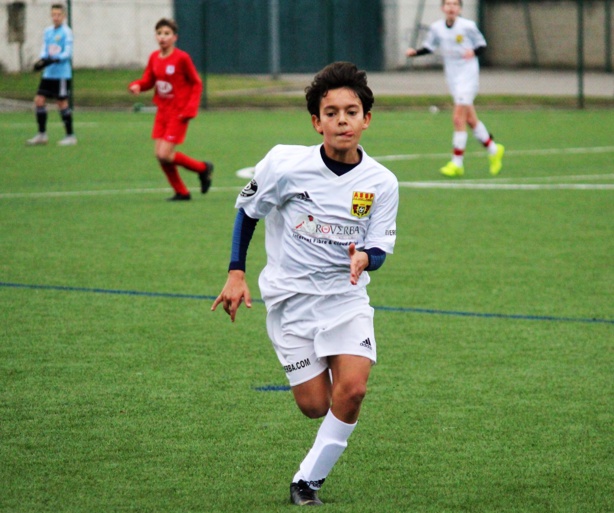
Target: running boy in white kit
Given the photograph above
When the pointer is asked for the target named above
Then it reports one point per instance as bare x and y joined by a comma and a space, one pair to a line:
460, 42
330, 215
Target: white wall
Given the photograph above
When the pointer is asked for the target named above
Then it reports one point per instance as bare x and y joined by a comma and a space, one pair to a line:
108, 33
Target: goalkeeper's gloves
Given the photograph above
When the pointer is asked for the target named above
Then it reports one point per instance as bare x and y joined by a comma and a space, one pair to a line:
43, 63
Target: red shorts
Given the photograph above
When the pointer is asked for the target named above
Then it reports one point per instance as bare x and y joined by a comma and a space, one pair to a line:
169, 127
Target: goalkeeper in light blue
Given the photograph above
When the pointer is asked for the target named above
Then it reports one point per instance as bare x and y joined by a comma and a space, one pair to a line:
56, 81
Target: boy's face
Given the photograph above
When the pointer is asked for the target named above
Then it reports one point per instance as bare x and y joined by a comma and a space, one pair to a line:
166, 37
451, 9
57, 17
341, 122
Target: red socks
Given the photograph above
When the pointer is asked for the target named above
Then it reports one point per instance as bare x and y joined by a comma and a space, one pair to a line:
170, 170
189, 163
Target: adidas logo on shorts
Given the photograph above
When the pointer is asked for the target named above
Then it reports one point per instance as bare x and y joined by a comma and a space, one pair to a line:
366, 343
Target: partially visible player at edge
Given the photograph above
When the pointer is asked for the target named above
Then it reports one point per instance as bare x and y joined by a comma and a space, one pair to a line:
178, 88
330, 214
461, 42
56, 81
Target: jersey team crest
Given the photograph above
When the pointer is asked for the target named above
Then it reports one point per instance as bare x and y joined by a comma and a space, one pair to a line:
361, 203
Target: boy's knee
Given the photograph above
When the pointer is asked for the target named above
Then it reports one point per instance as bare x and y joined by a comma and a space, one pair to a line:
164, 158
358, 393
353, 394
313, 410
459, 123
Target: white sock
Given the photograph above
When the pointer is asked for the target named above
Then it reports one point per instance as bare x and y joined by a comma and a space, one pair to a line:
482, 135
459, 143
328, 447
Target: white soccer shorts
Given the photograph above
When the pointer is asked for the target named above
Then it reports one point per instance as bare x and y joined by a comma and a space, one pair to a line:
463, 93
306, 329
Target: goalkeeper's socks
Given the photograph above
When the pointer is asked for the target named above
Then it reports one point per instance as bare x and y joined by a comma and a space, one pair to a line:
66, 115
189, 163
41, 119
172, 175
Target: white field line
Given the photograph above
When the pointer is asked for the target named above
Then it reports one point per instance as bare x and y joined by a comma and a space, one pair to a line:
572, 178
505, 186
491, 184
60, 194
503, 183
80, 124
543, 151
408, 185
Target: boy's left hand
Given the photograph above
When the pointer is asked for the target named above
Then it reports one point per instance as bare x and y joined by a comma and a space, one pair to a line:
359, 260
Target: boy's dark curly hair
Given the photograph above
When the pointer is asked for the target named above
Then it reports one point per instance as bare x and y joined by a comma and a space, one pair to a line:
167, 22
336, 76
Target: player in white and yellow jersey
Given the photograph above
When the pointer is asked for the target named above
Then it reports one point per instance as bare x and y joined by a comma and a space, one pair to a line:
330, 217
460, 42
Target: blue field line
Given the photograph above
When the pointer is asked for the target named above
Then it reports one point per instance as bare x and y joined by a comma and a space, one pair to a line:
273, 388
429, 311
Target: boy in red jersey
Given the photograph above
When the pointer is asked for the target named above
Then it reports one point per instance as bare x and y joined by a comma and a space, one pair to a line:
178, 88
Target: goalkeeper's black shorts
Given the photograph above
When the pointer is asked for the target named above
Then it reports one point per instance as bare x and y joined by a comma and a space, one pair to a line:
55, 88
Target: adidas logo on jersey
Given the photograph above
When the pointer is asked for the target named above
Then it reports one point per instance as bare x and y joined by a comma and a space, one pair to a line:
366, 343
304, 196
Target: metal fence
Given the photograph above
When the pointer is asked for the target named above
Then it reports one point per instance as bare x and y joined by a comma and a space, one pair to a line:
554, 40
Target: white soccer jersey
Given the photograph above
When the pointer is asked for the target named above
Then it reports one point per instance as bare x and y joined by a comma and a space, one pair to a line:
462, 74
312, 217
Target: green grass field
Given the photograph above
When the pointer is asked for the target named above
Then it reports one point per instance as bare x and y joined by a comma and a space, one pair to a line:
121, 391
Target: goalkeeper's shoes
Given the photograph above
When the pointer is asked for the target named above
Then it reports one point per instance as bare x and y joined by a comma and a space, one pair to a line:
69, 140
302, 495
205, 177
496, 160
451, 170
40, 138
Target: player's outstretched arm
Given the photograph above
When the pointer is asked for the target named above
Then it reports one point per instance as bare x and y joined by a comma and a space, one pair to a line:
359, 261
234, 293
410, 52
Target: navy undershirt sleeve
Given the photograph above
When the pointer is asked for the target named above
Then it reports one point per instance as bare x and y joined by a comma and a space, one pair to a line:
422, 51
377, 257
479, 50
241, 236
